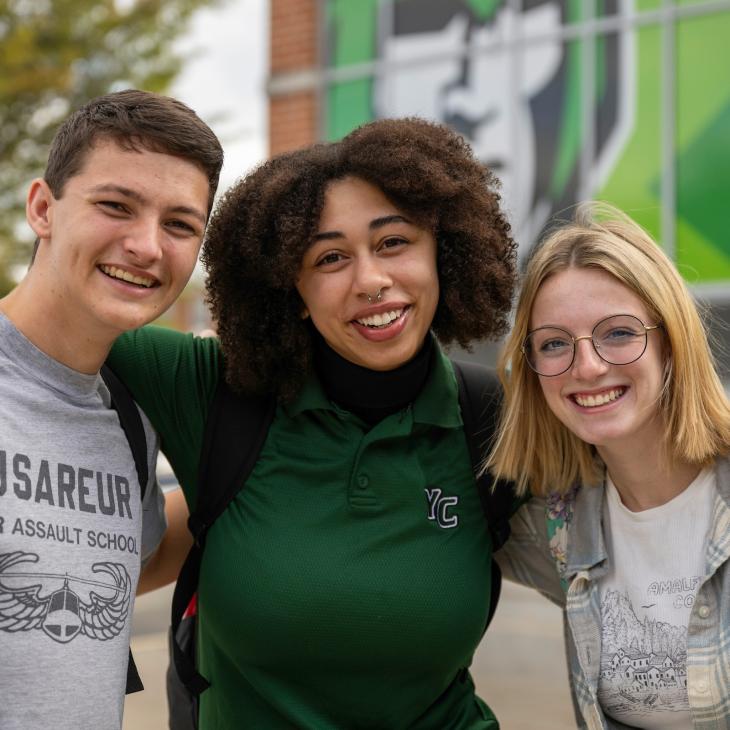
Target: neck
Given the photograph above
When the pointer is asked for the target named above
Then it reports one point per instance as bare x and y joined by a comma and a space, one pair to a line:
370, 394
644, 476
46, 325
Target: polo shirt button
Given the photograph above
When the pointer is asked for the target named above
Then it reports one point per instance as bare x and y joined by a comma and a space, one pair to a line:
701, 687
704, 611
362, 481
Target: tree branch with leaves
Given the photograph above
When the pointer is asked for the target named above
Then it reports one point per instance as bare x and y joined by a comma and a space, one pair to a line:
57, 54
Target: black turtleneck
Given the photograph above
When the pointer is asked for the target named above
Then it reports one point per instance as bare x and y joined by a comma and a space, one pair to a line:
371, 394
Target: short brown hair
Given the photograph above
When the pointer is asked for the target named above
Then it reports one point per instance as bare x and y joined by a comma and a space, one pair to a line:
135, 120
262, 227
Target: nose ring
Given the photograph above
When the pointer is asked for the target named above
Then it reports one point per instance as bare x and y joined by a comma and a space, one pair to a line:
378, 296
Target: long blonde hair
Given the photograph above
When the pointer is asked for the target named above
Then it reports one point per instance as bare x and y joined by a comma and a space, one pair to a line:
533, 448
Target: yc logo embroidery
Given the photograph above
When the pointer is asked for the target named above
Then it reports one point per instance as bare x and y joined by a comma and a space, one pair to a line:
439, 506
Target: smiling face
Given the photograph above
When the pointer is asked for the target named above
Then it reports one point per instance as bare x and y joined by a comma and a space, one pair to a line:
610, 406
365, 245
120, 243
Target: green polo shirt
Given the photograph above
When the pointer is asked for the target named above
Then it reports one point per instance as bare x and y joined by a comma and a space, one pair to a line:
347, 585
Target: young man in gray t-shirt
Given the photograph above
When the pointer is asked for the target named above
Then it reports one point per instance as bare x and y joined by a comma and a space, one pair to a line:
119, 216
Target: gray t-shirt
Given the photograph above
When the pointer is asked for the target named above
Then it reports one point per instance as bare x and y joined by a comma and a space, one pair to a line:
72, 536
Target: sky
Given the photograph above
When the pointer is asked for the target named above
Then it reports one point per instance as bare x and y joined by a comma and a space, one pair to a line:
225, 55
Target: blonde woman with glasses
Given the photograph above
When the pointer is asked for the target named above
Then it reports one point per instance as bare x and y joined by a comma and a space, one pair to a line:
614, 417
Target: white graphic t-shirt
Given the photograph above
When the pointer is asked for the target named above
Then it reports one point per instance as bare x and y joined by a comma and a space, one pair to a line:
72, 536
657, 560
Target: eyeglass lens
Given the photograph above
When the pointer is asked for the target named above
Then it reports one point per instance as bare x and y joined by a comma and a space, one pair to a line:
619, 340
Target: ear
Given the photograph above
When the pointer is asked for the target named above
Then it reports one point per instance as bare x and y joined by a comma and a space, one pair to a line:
304, 314
38, 208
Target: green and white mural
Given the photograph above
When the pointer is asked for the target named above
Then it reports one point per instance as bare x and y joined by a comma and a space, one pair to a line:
625, 100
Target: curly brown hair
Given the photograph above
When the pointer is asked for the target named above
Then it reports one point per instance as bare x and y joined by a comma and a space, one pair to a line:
263, 225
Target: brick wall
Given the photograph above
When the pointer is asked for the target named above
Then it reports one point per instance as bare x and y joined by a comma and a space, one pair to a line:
293, 99
293, 35
292, 121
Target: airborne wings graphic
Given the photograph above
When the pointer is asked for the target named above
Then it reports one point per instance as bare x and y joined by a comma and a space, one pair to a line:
24, 608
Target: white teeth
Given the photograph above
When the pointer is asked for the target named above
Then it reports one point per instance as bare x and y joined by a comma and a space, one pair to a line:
381, 320
600, 399
116, 273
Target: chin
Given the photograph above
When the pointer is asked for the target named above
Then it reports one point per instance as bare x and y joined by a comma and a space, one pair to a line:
605, 440
126, 321
389, 363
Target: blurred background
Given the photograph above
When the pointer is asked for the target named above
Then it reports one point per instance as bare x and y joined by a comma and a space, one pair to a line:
624, 100
567, 100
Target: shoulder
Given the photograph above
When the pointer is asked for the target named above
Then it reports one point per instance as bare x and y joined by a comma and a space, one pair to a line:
722, 473
173, 377
158, 343
545, 523
162, 354
559, 509
474, 373
532, 556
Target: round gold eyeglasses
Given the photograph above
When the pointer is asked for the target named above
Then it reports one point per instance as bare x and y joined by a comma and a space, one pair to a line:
618, 340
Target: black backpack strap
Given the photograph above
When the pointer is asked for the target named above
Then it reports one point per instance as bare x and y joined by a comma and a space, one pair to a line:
134, 681
480, 396
131, 422
235, 431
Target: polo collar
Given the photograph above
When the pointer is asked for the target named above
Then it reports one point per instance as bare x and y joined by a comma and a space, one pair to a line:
311, 398
438, 402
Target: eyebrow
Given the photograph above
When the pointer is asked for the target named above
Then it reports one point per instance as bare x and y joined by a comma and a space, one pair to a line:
135, 195
373, 225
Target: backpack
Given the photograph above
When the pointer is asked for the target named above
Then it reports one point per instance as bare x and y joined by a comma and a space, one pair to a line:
224, 468
131, 422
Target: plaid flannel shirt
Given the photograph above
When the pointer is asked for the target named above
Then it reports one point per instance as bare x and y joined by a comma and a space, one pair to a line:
557, 547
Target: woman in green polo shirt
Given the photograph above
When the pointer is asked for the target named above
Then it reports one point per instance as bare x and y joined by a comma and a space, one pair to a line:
347, 584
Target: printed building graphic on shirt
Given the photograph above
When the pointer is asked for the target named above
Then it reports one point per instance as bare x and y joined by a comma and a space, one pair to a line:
33, 600
643, 661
